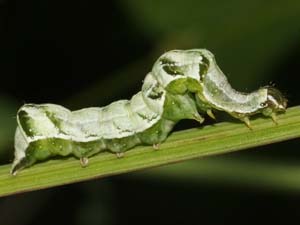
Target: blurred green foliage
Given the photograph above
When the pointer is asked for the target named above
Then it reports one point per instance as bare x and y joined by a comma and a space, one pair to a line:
248, 38
7, 120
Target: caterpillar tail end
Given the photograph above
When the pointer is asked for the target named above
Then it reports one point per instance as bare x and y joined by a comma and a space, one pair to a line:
17, 166
20, 160
14, 170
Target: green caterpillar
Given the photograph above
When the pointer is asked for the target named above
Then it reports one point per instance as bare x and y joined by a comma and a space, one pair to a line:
182, 85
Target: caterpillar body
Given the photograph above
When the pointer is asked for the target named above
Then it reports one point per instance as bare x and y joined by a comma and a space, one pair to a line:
183, 84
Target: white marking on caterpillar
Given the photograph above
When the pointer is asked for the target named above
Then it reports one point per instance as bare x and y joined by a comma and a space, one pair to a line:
182, 85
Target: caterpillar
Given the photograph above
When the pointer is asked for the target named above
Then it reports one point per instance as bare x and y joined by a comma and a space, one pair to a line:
183, 84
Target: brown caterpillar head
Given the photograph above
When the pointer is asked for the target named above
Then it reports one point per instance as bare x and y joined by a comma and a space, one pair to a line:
276, 102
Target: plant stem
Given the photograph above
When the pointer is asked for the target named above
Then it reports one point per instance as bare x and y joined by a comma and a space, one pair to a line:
183, 145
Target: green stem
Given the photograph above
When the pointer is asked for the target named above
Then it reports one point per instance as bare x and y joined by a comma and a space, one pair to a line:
183, 145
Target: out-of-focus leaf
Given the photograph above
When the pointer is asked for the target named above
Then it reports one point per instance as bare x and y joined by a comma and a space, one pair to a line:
7, 120
268, 175
246, 37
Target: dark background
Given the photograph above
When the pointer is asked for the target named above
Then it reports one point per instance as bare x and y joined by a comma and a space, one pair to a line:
89, 53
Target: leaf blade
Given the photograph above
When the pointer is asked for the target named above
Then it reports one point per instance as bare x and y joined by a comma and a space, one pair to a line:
183, 145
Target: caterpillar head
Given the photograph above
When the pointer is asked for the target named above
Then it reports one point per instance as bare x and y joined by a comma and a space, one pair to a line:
192, 63
276, 102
